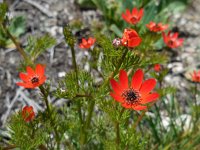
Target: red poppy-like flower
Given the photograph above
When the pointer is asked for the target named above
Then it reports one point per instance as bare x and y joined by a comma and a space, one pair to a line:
157, 67
172, 40
33, 78
196, 76
134, 17
28, 113
152, 26
135, 95
87, 43
130, 38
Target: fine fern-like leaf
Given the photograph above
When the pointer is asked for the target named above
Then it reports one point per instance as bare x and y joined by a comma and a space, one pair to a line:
36, 46
68, 88
26, 136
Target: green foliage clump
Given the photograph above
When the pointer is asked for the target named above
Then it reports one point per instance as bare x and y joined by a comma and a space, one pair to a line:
69, 89
26, 135
36, 46
16, 28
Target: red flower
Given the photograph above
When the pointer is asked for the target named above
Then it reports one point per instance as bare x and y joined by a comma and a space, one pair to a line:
135, 95
172, 40
157, 67
130, 38
152, 26
134, 17
87, 43
28, 114
33, 78
196, 76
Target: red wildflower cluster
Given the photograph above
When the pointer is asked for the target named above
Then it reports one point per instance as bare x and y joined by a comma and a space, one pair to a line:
196, 76
130, 38
152, 26
134, 17
33, 78
172, 40
157, 67
28, 113
87, 43
135, 95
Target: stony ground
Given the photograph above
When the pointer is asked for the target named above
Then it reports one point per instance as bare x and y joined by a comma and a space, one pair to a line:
48, 16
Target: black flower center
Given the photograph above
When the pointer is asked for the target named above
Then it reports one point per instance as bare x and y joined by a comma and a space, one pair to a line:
134, 19
157, 27
171, 42
34, 80
131, 96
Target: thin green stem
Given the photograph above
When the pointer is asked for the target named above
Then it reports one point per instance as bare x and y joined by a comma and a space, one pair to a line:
117, 130
139, 119
195, 95
82, 132
141, 116
19, 48
88, 121
195, 104
90, 111
117, 68
74, 63
45, 95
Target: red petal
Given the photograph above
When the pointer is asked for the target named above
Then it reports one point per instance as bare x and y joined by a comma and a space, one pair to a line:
25, 85
139, 107
39, 70
117, 97
24, 77
30, 71
81, 45
134, 42
123, 79
125, 105
164, 37
149, 98
147, 86
42, 80
125, 17
137, 79
128, 13
141, 13
117, 89
175, 35
91, 40
134, 11
84, 41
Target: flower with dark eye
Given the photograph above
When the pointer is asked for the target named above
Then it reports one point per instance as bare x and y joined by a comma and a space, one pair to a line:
135, 95
33, 78
172, 40
133, 17
152, 26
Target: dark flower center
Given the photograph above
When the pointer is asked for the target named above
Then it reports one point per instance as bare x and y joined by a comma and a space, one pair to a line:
131, 96
34, 80
157, 27
171, 42
134, 19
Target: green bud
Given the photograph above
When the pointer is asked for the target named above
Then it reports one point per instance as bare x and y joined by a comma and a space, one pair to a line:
69, 38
